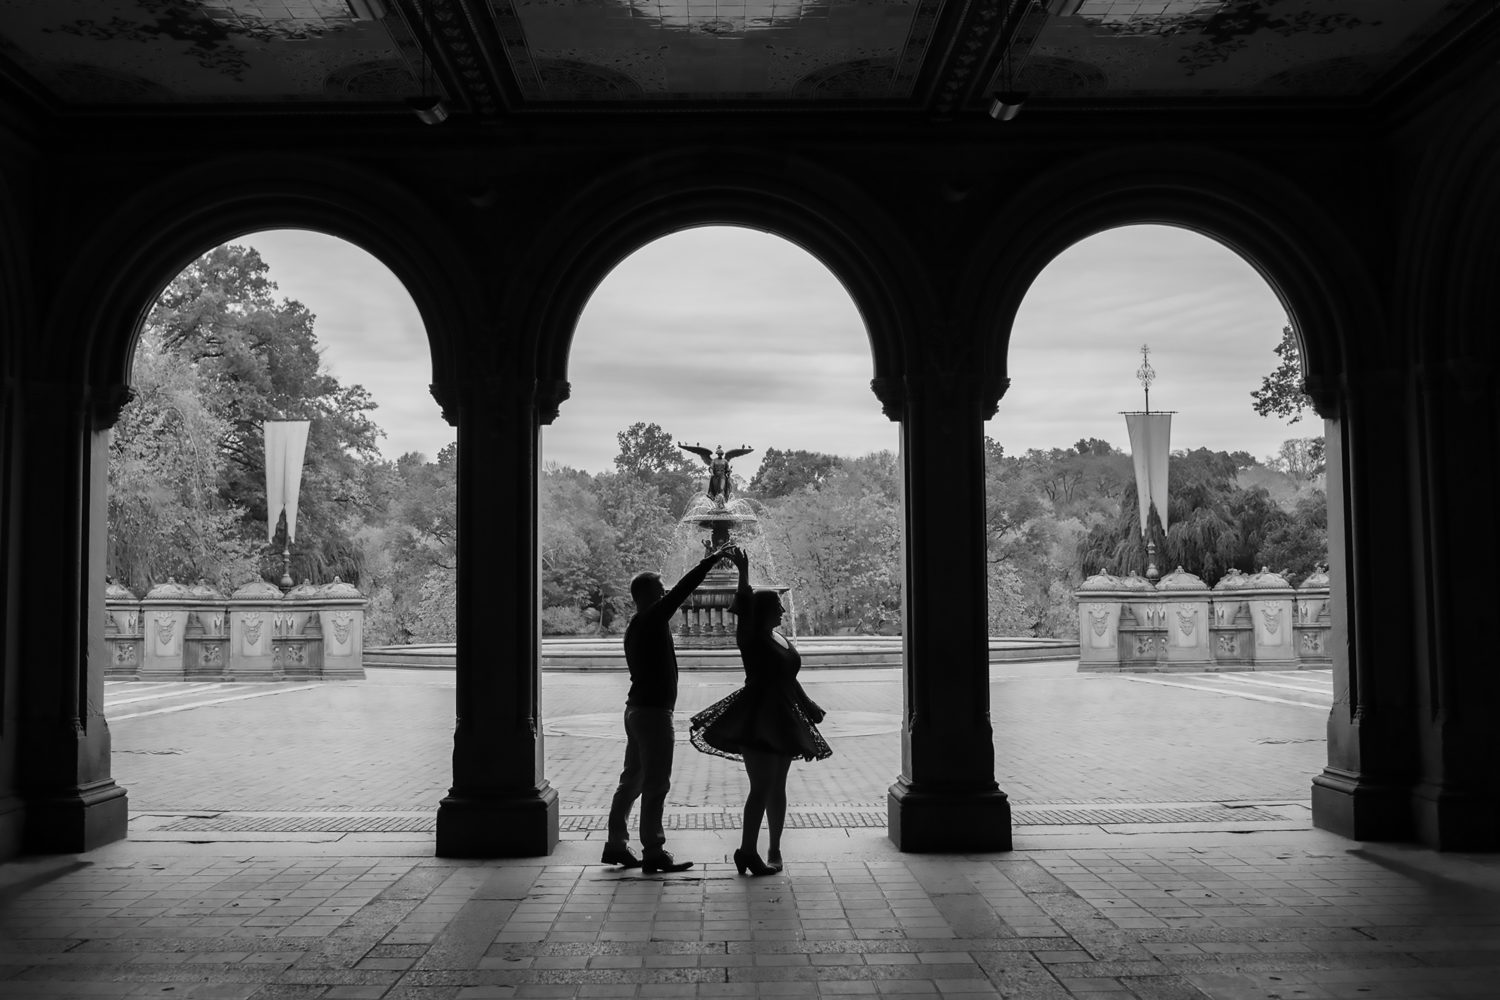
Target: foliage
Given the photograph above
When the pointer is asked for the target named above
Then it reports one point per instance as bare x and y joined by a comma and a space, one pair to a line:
1281, 392
564, 621
648, 454
1301, 458
409, 548
220, 354
1214, 525
167, 517
258, 359
1037, 508
785, 472
838, 547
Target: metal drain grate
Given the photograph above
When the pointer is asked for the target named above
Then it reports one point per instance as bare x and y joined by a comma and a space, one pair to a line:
301, 823
714, 819
1209, 813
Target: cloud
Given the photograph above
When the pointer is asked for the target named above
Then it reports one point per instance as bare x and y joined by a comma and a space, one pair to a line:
730, 336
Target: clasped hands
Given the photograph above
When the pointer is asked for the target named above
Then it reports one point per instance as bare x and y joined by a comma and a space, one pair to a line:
733, 553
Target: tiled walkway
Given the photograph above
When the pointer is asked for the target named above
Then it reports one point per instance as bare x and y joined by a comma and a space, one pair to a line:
1162, 876
1272, 916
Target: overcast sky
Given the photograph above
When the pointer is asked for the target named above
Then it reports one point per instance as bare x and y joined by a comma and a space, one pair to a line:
728, 337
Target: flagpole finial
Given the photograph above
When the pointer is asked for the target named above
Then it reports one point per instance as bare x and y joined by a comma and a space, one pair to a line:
1146, 374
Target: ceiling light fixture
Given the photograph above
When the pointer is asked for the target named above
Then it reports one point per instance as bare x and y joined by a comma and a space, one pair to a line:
428, 106
1006, 105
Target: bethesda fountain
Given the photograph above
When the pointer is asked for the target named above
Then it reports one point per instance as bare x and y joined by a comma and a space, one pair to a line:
714, 520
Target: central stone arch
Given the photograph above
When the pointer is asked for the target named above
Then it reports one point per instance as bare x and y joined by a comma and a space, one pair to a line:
656, 196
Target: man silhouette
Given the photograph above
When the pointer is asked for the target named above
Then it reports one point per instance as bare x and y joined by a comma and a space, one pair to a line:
652, 658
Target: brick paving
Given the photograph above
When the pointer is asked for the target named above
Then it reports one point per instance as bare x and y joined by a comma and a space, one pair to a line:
1267, 916
385, 744
1154, 907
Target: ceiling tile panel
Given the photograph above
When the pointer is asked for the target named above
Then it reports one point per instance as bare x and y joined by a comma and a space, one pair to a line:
1217, 48
604, 50
257, 51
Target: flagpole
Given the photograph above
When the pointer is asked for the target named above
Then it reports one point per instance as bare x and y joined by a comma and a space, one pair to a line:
1147, 375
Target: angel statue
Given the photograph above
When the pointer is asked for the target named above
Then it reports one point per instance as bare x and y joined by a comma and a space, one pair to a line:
718, 468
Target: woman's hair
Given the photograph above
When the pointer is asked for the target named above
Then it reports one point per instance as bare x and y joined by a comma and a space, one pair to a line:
764, 604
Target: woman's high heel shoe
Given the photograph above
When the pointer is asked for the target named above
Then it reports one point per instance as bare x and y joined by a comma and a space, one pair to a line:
750, 861
773, 859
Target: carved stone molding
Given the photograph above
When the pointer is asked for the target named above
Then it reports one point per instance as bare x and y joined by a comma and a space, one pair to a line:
492, 397
107, 404
892, 396
1324, 395
550, 395
446, 401
1099, 617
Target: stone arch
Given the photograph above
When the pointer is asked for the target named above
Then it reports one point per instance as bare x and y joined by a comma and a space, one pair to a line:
1270, 222
119, 271
1451, 244
599, 228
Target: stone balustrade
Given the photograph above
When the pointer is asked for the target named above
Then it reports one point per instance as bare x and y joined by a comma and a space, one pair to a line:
1245, 622
180, 632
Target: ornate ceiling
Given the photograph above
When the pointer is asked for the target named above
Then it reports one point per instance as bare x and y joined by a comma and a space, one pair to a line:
492, 58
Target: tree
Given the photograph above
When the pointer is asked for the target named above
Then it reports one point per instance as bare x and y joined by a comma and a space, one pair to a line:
1301, 458
1281, 392
1203, 536
648, 453
260, 358
409, 548
580, 568
167, 517
785, 472
838, 547
1298, 543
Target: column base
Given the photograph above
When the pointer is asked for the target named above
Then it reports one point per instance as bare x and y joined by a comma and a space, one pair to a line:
958, 822
1345, 804
499, 826
1449, 820
92, 816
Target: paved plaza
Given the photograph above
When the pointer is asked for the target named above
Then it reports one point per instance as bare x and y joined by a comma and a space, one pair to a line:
383, 747
281, 846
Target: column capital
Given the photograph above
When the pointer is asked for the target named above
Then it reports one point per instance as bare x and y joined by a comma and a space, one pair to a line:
945, 391
101, 406
492, 392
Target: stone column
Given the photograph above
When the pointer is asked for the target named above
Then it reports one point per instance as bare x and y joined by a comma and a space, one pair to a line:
500, 804
1270, 600
1313, 618
1233, 635
164, 619
1099, 623
122, 632
1183, 614
1454, 801
72, 802
253, 608
1363, 792
205, 643
946, 797
343, 624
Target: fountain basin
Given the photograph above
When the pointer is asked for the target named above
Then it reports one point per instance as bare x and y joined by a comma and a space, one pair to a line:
818, 652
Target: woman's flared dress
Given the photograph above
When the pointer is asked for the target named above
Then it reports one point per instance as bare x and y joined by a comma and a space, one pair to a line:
770, 713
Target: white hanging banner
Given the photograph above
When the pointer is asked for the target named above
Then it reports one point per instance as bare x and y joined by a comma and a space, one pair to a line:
286, 444
1150, 447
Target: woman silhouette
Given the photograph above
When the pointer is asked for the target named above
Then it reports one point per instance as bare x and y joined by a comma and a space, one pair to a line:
767, 723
